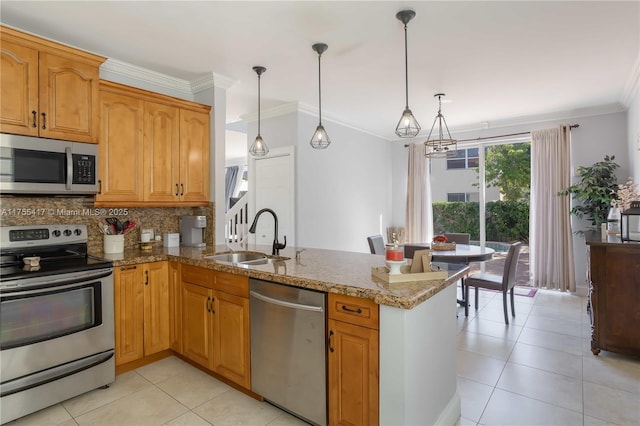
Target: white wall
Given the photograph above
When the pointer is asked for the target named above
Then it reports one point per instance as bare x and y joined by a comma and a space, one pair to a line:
633, 133
343, 193
596, 137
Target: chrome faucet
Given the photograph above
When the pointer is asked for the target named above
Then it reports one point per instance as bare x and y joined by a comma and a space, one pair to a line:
276, 245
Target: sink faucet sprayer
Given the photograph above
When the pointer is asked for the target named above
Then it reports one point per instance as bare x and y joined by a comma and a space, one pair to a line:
276, 245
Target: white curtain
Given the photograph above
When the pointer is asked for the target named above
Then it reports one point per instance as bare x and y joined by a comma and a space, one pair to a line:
551, 240
419, 210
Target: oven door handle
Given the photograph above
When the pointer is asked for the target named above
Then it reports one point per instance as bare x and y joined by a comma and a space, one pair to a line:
30, 284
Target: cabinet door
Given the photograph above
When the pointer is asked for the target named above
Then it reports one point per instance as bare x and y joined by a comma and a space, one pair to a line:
156, 307
194, 156
353, 374
129, 313
175, 308
69, 99
120, 161
619, 301
231, 338
19, 85
161, 152
196, 324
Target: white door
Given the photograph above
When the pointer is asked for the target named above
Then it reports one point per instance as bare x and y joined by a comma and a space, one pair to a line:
272, 186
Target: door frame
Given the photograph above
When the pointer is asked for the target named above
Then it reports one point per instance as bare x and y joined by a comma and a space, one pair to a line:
251, 204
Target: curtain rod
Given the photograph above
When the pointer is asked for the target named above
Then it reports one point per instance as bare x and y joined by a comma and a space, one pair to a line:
573, 126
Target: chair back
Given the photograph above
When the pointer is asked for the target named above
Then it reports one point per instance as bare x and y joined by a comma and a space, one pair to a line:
376, 244
510, 266
458, 237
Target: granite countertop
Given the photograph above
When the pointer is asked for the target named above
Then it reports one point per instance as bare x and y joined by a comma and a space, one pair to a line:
324, 270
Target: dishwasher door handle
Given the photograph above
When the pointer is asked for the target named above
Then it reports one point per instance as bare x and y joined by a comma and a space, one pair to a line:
285, 303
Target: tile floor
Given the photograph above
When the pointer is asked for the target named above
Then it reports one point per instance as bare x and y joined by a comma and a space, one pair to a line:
539, 370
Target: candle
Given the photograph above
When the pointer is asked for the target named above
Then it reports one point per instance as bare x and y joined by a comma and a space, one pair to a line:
394, 252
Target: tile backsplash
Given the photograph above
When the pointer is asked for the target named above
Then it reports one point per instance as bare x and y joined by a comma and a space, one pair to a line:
20, 210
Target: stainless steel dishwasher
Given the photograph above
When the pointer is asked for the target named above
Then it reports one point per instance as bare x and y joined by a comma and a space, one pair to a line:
288, 348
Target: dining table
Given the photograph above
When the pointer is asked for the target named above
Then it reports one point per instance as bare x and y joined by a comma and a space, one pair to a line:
462, 253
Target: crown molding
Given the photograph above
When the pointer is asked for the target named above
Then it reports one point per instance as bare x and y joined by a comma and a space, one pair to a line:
205, 81
209, 81
541, 118
291, 107
632, 89
138, 73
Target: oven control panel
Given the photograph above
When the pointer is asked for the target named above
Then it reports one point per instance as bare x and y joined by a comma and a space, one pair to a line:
42, 235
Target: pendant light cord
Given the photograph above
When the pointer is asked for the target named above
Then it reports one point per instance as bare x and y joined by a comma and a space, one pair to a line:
319, 92
406, 69
258, 104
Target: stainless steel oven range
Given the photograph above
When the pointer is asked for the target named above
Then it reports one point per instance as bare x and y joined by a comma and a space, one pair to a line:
56, 318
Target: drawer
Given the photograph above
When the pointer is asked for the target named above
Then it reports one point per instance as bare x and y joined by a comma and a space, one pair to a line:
231, 283
353, 310
196, 275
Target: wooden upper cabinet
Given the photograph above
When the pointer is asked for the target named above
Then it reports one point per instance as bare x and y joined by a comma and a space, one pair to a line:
194, 156
161, 152
172, 136
120, 152
48, 89
19, 83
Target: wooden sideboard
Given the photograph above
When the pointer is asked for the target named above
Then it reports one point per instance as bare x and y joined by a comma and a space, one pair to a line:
614, 296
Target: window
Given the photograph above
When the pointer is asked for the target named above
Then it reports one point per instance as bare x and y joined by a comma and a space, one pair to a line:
452, 197
456, 196
463, 159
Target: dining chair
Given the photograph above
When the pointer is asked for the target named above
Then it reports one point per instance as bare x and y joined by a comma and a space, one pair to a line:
376, 244
504, 282
458, 238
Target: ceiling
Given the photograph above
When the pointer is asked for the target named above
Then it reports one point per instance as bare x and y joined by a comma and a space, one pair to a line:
497, 62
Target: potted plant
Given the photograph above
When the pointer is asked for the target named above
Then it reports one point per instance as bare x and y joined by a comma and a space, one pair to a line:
594, 192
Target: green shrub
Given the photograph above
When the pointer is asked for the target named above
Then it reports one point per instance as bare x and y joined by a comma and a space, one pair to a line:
506, 220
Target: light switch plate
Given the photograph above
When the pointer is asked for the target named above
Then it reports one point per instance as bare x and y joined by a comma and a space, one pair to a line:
149, 230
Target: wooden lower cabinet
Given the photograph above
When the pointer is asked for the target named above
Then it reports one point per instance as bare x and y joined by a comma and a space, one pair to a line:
353, 360
175, 308
215, 324
614, 297
231, 343
141, 311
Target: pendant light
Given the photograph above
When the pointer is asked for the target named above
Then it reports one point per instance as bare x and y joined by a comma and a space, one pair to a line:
320, 139
408, 126
440, 146
259, 148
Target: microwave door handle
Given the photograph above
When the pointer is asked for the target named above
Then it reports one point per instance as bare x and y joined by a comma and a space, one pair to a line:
69, 179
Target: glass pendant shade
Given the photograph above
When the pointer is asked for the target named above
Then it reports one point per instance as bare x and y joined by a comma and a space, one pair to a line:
439, 145
259, 148
408, 126
320, 139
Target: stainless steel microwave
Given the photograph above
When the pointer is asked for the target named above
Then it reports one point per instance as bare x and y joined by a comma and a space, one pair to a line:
30, 165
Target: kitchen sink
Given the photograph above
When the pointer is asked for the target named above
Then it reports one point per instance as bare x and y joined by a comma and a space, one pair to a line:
245, 258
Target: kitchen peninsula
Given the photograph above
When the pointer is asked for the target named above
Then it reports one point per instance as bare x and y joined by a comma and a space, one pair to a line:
417, 321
